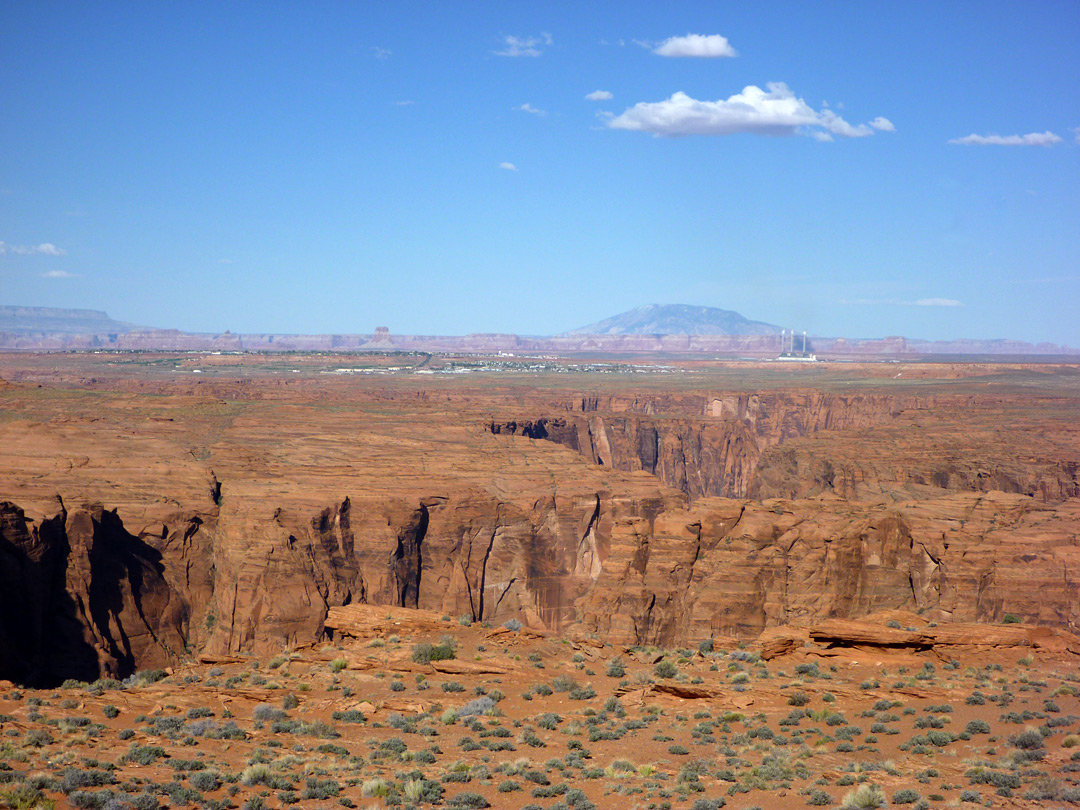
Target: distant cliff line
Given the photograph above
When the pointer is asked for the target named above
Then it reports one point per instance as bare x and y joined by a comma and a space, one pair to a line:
751, 346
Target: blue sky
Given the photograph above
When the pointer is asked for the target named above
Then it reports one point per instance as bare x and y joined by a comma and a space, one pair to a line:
437, 168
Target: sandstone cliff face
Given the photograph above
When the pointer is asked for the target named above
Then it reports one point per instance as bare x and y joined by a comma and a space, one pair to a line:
728, 568
83, 597
784, 444
80, 596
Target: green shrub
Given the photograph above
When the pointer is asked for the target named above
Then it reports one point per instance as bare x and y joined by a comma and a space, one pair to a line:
426, 652
616, 669
665, 669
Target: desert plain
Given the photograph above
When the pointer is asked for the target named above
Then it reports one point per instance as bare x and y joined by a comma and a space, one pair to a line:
414, 580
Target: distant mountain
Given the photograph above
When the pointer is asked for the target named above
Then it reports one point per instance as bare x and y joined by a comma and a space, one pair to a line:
54, 321
677, 319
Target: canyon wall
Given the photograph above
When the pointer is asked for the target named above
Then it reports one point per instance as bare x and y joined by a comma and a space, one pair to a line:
84, 597
800, 444
144, 521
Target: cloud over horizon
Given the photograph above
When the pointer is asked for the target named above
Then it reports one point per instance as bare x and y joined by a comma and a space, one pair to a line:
524, 46
938, 302
773, 111
44, 249
1031, 139
701, 46
896, 302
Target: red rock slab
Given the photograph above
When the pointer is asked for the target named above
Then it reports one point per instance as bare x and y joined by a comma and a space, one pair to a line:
364, 621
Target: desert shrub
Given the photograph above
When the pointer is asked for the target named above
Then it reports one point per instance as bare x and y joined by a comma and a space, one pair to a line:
616, 669
665, 669
708, 804
582, 693
809, 670
998, 779
375, 787
145, 677
290, 701
349, 716
864, 797
818, 798
1010, 618
338, 664
265, 713
452, 686
257, 774
562, 683
480, 705
798, 699
906, 796
468, 800
37, 738
320, 789
939, 738
508, 786
144, 754
1028, 740
977, 727
394, 745
512, 624
426, 652
72, 779
205, 781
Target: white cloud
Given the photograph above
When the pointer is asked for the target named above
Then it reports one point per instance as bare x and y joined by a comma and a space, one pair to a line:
44, 249
938, 302
381, 53
884, 124
1076, 132
529, 108
404, 103
1031, 139
895, 302
524, 46
510, 167
599, 95
773, 111
59, 274
709, 46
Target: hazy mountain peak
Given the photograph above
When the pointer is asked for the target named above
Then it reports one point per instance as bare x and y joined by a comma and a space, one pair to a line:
677, 319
